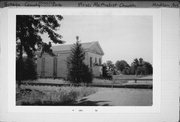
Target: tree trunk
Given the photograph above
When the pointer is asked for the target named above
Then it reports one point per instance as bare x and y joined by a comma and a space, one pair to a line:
21, 62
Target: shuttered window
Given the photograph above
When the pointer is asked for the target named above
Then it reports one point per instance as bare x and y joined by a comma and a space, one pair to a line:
55, 67
91, 62
99, 61
95, 60
43, 67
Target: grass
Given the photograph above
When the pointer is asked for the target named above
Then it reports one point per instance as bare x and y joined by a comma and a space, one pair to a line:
47, 80
51, 95
61, 81
106, 82
121, 80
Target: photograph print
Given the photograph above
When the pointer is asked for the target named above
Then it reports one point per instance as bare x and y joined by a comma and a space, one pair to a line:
84, 60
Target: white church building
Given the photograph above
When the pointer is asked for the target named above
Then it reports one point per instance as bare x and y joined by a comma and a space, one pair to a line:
56, 66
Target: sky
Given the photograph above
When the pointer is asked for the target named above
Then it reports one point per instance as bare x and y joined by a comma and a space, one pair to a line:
121, 37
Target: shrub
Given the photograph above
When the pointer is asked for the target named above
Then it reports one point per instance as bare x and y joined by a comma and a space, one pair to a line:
25, 69
45, 95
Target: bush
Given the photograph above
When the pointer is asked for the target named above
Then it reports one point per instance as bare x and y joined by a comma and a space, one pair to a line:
25, 69
104, 71
45, 95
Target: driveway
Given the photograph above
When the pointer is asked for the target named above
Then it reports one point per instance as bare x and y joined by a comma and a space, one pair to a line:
118, 97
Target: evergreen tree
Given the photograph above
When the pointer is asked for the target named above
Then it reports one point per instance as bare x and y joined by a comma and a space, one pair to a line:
77, 70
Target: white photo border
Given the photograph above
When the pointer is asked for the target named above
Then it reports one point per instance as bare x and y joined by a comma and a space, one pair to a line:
155, 13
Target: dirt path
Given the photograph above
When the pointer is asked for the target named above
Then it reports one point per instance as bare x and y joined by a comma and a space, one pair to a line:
118, 97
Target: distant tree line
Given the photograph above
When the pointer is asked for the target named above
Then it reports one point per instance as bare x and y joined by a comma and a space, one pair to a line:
137, 67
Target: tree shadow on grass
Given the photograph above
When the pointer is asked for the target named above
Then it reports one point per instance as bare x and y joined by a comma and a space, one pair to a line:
86, 102
83, 102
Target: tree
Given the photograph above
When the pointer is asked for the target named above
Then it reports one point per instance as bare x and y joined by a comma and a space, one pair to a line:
77, 71
148, 68
141, 67
134, 66
86, 75
141, 62
140, 70
111, 67
28, 69
132, 69
121, 65
104, 70
126, 70
29, 29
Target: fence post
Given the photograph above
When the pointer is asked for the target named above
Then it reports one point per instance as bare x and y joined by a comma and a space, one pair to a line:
135, 80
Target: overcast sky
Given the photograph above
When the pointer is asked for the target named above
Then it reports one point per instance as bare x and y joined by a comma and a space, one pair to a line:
121, 37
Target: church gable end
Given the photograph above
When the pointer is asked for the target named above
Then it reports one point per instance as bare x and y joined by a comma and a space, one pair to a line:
96, 48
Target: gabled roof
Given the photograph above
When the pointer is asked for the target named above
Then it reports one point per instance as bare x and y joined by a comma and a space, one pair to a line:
66, 48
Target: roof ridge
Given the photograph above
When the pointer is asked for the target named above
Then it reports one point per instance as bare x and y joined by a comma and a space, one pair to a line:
73, 43
65, 47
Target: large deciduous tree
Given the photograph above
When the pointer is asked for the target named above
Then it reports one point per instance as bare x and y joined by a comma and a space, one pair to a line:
29, 29
122, 65
148, 67
141, 67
